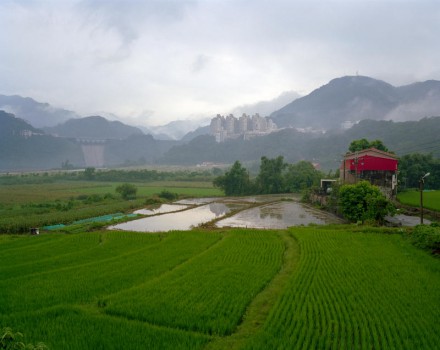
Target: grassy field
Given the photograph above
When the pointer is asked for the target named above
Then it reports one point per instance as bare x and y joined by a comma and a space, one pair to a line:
23, 194
36, 205
328, 287
431, 199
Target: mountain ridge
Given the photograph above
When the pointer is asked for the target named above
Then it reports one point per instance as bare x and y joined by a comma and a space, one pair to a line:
94, 127
354, 98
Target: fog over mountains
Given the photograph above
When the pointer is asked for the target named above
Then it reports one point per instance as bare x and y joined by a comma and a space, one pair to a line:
347, 100
35, 113
40, 136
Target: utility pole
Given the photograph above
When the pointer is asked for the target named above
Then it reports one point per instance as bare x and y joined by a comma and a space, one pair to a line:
421, 185
356, 167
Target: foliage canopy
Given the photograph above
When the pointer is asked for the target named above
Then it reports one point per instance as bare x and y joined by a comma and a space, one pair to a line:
275, 176
127, 191
361, 144
235, 182
364, 202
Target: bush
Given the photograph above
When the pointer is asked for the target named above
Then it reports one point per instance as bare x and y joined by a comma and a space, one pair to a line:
168, 195
127, 191
364, 202
426, 237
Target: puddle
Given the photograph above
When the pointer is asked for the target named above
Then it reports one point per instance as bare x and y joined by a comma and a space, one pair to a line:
164, 208
278, 215
184, 220
405, 220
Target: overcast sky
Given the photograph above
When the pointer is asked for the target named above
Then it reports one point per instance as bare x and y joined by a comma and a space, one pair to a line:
155, 61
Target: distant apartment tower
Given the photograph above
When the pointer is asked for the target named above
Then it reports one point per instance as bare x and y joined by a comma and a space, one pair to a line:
244, 123
230, 124
217, 124
229, 127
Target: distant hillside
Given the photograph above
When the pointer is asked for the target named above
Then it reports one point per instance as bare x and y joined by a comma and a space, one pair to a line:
203, 130
35, 113
177, 129
135, 150
347, 100
264, 108
325, 149
94, 127
23, 147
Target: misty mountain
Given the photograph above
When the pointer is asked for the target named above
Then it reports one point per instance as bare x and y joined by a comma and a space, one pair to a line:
35, 113
135, 150
324, 149
347, 100
203, 130
176, 129
265, 108
94, 127
24, 147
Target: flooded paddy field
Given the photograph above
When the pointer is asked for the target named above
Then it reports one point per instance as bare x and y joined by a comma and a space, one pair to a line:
278, 215
164, 208
266, 212
182, 220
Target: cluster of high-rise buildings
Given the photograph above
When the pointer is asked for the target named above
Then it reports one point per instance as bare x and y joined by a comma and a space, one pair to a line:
230, 127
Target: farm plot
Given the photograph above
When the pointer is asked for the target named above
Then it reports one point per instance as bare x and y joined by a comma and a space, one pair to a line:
349, 288
210, 293
356, 291
198, 282
84, 279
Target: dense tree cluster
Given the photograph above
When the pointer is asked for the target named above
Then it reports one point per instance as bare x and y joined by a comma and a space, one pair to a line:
275, 176
359, 145
413, 166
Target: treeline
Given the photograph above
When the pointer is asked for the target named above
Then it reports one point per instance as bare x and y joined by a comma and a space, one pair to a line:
275, 176
413, 166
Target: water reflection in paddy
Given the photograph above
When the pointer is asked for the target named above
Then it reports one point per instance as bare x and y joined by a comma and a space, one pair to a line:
197, 201
276, 215
164, 208
183, 220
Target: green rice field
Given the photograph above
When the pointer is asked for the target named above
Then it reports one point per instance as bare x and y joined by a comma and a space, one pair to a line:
431, 199
337, 287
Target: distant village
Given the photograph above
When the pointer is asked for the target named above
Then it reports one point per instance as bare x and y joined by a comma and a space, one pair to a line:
229, 127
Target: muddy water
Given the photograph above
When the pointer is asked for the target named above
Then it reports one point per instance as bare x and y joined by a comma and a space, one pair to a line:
184, 220
277, 215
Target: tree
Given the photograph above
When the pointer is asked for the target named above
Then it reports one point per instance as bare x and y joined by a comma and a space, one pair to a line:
127, 191
363, 202
235, 182
300, 176
270, 179
361, 144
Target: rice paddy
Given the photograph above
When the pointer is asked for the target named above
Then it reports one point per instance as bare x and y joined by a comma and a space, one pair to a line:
310, 287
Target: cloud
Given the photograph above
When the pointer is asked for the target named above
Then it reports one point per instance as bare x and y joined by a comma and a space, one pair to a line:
183, 58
